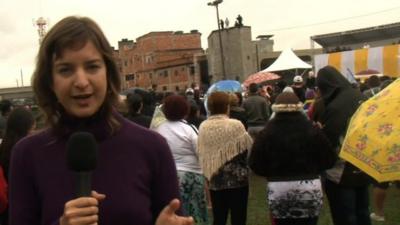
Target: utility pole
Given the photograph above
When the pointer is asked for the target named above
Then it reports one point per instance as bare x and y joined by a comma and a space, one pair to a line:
258, 63
216, 3
22, 79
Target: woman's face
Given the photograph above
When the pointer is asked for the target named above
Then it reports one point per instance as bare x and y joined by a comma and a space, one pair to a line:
80, 80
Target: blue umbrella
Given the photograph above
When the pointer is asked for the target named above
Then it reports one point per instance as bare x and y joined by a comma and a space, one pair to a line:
224, 86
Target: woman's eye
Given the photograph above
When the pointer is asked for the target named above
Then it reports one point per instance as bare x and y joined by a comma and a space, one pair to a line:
93, 67
64, 70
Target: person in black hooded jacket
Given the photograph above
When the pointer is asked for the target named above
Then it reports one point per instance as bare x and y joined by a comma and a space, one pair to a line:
348, 197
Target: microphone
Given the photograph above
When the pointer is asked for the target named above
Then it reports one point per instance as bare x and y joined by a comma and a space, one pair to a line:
82, 159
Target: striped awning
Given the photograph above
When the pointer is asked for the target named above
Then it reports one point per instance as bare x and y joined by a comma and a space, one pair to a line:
384, 59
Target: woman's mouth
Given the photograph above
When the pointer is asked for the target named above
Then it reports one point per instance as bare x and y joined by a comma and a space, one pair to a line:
82, 99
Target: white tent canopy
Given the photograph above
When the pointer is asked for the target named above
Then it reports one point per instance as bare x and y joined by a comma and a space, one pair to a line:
287, 60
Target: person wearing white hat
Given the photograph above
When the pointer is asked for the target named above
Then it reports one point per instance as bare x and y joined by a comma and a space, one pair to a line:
298, 88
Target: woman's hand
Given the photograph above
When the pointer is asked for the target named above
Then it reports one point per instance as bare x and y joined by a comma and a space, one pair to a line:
168, 217
82, 211
318, 125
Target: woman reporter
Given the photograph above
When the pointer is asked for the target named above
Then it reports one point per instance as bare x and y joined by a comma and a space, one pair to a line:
76, 83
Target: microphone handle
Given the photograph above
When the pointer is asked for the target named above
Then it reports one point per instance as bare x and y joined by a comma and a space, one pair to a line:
83, 184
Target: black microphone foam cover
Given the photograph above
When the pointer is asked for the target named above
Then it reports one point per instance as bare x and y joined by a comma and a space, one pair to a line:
81, 152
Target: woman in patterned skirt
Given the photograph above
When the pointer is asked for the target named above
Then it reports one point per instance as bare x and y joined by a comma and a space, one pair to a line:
291, 153
182, 140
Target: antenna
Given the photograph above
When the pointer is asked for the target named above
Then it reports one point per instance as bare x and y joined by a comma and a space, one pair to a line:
41, 25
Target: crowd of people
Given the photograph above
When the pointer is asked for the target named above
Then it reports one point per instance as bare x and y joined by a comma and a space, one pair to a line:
164, 159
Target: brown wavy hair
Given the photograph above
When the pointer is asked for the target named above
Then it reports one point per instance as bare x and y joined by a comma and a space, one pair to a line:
73, 32
218, 103
175, 107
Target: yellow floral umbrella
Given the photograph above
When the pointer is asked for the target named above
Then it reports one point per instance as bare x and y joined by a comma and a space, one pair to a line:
372, 142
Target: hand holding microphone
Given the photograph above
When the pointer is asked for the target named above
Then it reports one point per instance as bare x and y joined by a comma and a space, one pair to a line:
83, 210
82, 160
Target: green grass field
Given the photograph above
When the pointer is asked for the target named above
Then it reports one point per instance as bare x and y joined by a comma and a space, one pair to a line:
257, 213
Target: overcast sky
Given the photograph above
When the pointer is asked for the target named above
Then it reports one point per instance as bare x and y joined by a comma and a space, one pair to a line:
291, 21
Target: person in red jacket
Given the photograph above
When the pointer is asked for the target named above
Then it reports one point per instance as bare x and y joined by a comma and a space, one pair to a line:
3, 192
20, 123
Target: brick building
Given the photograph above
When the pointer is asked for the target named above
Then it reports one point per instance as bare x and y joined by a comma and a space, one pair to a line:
165, 61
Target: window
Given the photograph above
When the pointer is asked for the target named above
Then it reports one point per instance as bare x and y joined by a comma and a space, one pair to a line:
164, 88
149, 59
129, 77
176, 88
176, 72
125, 63
150, 75
183, 69
165, 73
192, 70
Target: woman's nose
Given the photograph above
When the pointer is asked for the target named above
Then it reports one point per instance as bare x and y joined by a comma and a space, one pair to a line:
81, 79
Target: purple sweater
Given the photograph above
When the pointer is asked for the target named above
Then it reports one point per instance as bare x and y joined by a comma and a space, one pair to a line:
135, 170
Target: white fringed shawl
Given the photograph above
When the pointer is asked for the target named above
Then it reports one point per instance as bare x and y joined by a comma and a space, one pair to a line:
219, 140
